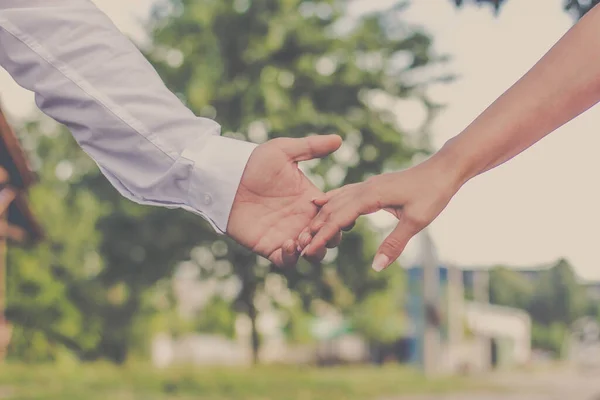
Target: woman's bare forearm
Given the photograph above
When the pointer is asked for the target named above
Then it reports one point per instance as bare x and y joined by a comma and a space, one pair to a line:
562, 85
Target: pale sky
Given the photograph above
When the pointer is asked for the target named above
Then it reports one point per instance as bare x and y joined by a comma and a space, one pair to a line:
544, 204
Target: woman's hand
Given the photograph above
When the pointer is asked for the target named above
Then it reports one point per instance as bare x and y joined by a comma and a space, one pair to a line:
562, 85
415, 196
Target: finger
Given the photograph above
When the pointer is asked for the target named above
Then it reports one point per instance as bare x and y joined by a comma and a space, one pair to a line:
304, 239
289, 253
321, 201
323, 216
317, 256
325, 197
320, 240
341, 211
392, 246
310, 147
349, 227
345, 198
334, 241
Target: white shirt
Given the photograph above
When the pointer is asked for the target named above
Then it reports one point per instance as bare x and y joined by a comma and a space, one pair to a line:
87, 75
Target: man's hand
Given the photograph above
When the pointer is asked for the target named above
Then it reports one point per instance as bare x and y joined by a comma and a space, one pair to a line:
274, 204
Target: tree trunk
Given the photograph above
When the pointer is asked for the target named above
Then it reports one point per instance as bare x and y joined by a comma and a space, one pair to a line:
255, 337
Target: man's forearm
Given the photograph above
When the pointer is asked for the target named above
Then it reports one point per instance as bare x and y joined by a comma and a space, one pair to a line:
87, 75
562, 85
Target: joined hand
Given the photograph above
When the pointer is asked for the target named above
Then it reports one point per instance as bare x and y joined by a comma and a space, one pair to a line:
274, 201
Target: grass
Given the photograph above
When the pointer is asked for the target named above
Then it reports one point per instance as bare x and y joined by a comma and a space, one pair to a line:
133, 382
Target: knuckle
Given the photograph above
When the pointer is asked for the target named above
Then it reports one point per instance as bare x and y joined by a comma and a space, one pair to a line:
417, 219
371, 180
325, 235
327, 211
279, 141
418, 222
315, 226
327, 214
393, 243
332, 230
322, 236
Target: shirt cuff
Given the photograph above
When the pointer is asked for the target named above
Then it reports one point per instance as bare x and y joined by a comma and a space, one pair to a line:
218, 164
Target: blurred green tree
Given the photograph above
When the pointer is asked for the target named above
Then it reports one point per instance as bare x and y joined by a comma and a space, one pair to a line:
263, 69
45, 282
216, 317
558, 297
84, 288
380, 316
298, 323
510, 288
550, 338
272, 68
554, 299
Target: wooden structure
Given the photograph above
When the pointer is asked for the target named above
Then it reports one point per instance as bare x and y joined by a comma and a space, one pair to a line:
17, 223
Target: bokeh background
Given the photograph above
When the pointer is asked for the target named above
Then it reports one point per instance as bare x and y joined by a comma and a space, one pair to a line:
124, 301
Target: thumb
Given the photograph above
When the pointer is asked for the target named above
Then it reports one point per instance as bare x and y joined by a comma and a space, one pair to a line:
392, 247
310, 147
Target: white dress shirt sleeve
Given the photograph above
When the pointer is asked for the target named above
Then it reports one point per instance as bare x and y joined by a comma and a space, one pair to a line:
87, 75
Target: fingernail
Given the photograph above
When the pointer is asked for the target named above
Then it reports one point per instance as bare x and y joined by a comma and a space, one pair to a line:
304, 251
298, 248
380, 262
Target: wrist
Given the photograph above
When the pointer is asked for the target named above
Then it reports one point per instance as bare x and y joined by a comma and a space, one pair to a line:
454, 164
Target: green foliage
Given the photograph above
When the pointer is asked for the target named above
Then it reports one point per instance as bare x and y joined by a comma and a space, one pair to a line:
558, 298
578, 8
298, 324
263, 69
495, 3
554, 299
510, 288
171, 322
550, 338
380, 317
553, 296
138, 381
272, 68
83, 289
44, 283
216, 317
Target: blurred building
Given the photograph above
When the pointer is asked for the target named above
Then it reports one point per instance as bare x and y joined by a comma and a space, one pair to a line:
471, 336
451, 334
583, 343
18, 226
592, 289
